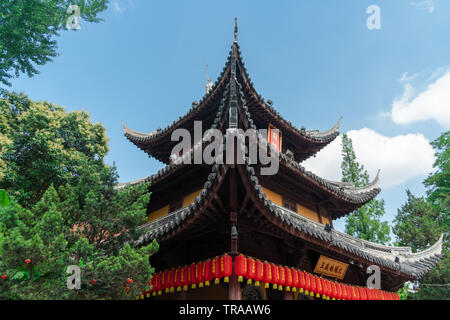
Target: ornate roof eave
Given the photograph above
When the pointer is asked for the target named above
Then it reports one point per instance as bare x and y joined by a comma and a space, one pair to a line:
412, 266
309, 136
181, 161
342, 191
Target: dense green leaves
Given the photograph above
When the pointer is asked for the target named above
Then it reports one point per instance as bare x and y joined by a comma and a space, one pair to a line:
28, 29
4, 200
420, 222
364, 223
65, 209
44, 144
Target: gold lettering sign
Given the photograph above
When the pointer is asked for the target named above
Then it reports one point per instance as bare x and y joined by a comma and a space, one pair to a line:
331, 268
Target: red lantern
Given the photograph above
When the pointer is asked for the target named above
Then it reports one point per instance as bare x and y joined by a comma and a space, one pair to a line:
295, 279
356, 293
158, 287
251, 270
282, 273
241, 267
226, 267
177, 279
197, 275
215, 273
164, 281
334, 293
185, 272
348, 291
206, 272
368, 294
288, 278
362, 293
308, 283
171, 280
275, 276
259, 272
27, 261
327, 290
268, 277
191, 276
396, 296
319, 287
200, 279
340, 294
313, 285
302, 282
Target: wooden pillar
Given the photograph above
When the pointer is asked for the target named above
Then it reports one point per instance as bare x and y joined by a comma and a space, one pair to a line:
234, 288
288, 295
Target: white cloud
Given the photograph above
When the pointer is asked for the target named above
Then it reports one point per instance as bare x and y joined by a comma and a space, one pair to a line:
431, 103
117, 7
426, 4
400, 158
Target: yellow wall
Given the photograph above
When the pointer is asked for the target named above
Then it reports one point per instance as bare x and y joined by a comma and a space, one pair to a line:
325, 220
304, 211
273, 196
190, 198
158, 213
165, 210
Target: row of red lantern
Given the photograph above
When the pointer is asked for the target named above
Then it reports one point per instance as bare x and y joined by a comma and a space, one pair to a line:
292, 280
203, 273
197, 274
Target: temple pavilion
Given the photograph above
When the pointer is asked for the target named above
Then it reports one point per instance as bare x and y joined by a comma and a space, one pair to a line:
228, 232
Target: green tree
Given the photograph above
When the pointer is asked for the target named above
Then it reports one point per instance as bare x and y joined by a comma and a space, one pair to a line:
65, 209
438, 182
43, 144
28, 29
365, 222
420, 222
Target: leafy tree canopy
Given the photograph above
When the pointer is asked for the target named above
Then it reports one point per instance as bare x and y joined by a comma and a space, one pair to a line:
28, 29
421, 220
43, 144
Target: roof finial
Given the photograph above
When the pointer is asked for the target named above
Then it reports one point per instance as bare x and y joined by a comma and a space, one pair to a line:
209, 83
235, 30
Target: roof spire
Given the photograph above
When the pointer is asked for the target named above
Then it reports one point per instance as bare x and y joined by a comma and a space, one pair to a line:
235, 30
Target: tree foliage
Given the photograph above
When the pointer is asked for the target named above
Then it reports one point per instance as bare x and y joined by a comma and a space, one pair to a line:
421, 220
28, 29
65, 209
364, 223
43, 144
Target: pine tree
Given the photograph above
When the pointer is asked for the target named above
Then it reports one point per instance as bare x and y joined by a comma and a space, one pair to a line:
364, 223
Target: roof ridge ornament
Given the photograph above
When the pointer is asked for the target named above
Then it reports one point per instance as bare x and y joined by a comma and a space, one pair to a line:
235, 30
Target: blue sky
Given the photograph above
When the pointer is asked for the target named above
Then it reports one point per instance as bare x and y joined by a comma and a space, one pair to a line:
316, 60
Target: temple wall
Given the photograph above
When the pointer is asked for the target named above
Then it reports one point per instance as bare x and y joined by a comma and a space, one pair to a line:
304, 211
158, 213
187, 200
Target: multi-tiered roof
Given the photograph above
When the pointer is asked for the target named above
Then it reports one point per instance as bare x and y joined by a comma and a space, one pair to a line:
256, 211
